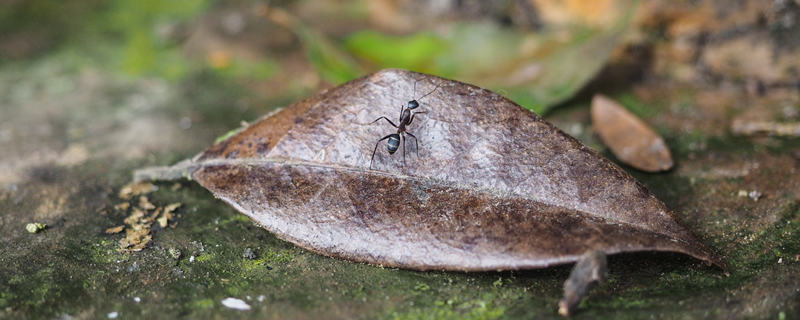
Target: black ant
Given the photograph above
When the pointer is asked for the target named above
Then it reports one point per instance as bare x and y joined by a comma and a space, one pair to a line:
406, 117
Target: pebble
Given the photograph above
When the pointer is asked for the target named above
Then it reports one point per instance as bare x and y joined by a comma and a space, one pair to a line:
35, 227
755, 195
249, 254
234, 303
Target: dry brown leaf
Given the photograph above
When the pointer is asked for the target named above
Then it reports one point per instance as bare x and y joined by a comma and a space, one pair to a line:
136, 188
494, 186
122, 206
629, 138
137, 235
163, 220
172, 207
145, 204
166, 216
114, 230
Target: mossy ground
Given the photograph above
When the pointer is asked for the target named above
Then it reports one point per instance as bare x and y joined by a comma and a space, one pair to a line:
75, 120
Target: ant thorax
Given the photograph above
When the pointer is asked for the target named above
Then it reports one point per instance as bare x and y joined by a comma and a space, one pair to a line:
405, 118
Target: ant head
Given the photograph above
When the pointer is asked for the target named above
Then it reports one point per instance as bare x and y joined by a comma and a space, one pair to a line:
393, 143
413, 104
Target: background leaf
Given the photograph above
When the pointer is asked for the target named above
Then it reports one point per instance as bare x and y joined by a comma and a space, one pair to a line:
536, 70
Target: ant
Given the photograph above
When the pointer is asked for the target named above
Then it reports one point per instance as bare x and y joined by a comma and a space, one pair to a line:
406, 117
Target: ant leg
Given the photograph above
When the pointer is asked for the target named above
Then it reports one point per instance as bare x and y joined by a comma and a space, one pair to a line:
403, 137
416, 144
387, 119
412, 116
376, 149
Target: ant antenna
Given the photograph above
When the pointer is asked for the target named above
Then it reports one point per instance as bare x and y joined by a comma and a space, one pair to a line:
427, 94
415, 88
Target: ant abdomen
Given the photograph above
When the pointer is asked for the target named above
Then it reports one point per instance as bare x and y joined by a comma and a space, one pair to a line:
393, 143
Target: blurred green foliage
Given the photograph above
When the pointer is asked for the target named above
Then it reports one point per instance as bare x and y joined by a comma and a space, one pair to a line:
137, 24
133, 37
413, 52
536, 70
130, 16
331, 63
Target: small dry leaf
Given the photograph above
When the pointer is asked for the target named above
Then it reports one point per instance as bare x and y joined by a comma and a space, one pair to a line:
137, 235
135, 240
163, 220
629, 138
166, 215
172, 207
136, 188
491, 186
145, 204
115, 230
136, 216
122, 206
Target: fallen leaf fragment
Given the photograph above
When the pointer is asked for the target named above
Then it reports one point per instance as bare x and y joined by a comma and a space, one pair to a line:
493, 186
629, 138
114, 230
137, 235
136, 188
145, 204
166, 215
122, 206
163, 220
172, 207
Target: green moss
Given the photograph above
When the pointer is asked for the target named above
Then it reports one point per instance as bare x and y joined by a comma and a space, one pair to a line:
105, 250
478, 309
203, 304
253, 265
204, 257
621, 303
771, 244
280, 256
